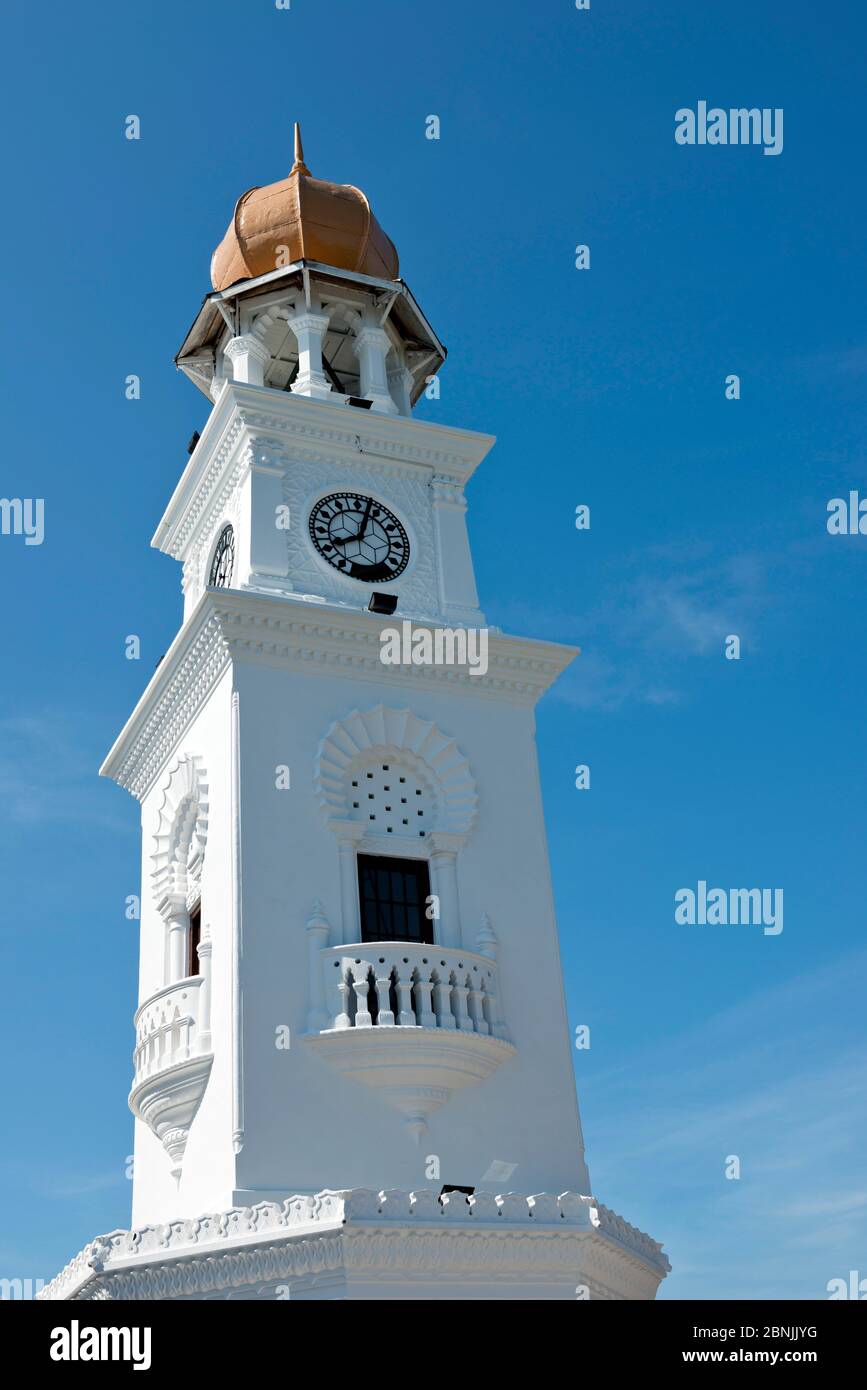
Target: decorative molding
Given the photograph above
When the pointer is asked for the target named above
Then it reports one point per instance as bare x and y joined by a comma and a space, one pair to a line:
360, 737
231, 625
506, 1238
408, 495
448, 492
172, 1060
199, 656
416, 1070
313, 432
181, 834
628, 1236
168, 1100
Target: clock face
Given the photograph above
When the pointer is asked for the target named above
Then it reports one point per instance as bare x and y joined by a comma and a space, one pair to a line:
224, 560
359, 537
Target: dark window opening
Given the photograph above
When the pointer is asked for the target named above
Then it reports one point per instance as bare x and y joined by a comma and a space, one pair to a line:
194, 936
393, 896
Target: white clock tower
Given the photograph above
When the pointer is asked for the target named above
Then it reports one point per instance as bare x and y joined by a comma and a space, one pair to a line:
352, 1068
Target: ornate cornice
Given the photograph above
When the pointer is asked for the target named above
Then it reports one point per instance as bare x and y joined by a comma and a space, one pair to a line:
238, 625
181, 683
309, 431
394, 1233
617, 1228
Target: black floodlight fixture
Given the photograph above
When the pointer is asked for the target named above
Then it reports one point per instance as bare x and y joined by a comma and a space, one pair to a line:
382, 603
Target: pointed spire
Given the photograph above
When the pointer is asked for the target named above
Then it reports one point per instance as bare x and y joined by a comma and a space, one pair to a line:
486, 939
299, 167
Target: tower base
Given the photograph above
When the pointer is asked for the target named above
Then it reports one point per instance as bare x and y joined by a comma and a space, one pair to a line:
360, 1244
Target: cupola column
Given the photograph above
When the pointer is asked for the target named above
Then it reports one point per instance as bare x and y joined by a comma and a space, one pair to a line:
400, 384
372, 347
310, 329
249, 358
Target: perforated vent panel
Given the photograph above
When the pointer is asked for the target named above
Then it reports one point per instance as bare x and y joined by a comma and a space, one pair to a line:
391, 801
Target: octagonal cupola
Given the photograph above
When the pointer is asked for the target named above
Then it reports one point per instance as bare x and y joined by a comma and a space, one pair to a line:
308, 299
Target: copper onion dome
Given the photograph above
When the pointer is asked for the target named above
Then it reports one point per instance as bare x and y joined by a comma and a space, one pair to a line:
313, 219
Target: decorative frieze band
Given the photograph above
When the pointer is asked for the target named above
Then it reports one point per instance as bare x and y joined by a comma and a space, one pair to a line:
508, 1235
285, 632
312, 431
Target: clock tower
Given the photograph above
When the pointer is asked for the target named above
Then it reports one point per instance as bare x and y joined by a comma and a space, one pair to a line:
352, 1071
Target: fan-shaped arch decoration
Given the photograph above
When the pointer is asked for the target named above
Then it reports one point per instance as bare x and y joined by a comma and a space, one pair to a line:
362, 737
182, 831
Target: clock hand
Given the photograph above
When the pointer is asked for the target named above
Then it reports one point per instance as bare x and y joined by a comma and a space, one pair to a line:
359, 534
366, 520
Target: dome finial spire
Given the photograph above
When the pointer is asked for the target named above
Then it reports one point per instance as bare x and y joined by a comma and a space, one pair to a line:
299, 167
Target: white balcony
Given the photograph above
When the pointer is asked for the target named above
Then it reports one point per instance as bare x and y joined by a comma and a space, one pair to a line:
417, 1022
172, 1061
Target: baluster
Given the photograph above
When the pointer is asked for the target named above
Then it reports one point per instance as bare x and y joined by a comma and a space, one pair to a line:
384, 1015
342, 1019
464, 1022
442, 995
405, 1017
361, 986
477, 1007
425, 1017
498, 1028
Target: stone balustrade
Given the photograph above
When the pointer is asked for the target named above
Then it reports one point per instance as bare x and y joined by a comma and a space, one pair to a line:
171, 1027
406, 985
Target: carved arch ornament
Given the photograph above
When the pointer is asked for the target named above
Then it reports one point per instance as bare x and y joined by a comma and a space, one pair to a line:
181, 834
362, 736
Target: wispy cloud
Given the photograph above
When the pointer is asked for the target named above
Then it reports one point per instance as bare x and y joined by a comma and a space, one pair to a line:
780, 1081
49, 771
82, 1186
669, 603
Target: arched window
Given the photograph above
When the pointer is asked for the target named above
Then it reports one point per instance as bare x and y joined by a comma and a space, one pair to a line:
393, 785
179, 849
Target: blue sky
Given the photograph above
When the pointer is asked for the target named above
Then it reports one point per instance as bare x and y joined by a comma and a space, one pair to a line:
604, 387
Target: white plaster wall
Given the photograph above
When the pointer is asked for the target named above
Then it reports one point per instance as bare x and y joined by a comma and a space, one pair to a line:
308, 1127
208, 1171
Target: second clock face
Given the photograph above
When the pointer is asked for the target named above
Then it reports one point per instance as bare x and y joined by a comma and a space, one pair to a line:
359, 537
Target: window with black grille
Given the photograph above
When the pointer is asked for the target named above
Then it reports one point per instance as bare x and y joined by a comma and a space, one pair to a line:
393, 895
